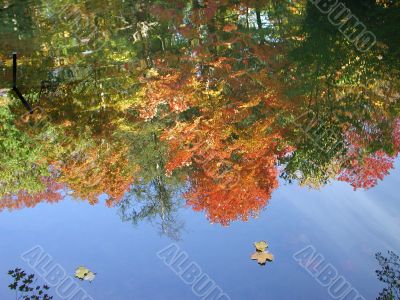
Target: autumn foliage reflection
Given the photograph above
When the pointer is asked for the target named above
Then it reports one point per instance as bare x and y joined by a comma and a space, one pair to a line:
51, 194
364, 170
222, 98
238, 198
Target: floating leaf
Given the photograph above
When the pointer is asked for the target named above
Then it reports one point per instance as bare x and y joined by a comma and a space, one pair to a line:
261, 246
262, 257
90, 276
83, 273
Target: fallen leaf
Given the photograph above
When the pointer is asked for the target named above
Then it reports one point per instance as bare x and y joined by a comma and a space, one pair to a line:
90, 276
261, 246
262, 257
83, 273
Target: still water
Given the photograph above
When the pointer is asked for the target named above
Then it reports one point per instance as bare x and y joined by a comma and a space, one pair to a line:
158, 144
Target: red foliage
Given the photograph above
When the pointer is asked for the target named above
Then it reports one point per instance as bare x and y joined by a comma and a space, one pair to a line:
225, 200
364, 170
233, 179
23, 199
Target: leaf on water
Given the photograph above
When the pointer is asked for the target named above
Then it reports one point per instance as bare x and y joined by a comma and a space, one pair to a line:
261, 246
83, 273
262, 257
90, 276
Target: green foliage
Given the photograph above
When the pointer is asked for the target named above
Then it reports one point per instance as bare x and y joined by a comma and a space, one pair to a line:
21, 162
154, 196
319, 146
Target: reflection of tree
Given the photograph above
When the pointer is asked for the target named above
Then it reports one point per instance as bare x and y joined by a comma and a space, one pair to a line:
213, 95
317, 150
155, 202
96, 170
221, 104
20, 160
363, 169
50, 194
225, 200
26, 287
389, 275
347, 92
215, 102
153, 196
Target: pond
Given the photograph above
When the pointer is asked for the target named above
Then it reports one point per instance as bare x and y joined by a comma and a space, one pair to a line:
199, 149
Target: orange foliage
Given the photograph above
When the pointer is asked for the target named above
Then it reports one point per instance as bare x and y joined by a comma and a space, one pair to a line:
235, 169
173, 88
100, 171
225, 200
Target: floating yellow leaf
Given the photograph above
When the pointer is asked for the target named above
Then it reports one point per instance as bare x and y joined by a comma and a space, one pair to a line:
83, 273
262, 257
261, 246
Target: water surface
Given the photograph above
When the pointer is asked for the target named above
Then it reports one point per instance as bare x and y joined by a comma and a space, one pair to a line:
203, 126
